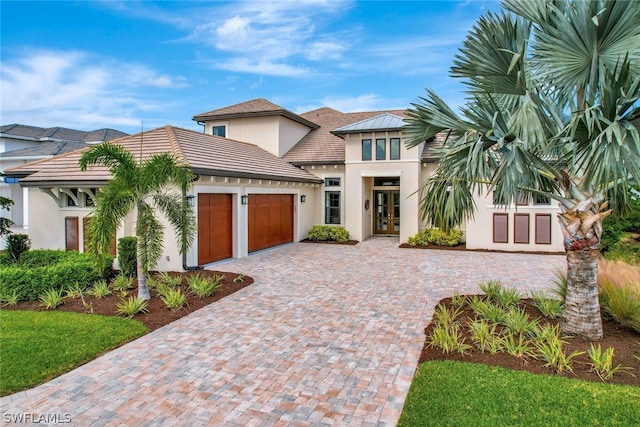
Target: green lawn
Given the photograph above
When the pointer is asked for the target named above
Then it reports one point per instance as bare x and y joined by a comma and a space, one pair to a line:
448, 393
37, 346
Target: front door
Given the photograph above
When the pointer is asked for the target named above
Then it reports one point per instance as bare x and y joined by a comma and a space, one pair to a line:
387, 212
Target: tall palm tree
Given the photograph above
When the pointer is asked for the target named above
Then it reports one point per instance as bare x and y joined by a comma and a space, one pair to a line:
553, 111
142, 187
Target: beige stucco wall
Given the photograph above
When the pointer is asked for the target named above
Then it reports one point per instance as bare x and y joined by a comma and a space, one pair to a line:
359, 179
323, 172
275, 134
479, 233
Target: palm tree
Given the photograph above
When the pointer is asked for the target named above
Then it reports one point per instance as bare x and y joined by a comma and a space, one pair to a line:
142, 187
553, 111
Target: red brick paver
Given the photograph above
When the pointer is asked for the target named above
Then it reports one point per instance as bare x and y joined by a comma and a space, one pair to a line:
326, 336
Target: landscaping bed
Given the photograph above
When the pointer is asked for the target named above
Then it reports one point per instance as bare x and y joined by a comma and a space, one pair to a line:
625, 342
158, 314
332, 242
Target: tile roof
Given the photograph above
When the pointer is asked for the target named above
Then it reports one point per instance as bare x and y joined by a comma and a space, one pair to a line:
205, 154
429, 153
320, 146
254, 108
59, 133
51, 148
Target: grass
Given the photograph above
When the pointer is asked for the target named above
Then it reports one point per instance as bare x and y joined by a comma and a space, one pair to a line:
449, 393
38, 346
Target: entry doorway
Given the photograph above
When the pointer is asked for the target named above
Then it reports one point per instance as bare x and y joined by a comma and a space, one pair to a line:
386, 212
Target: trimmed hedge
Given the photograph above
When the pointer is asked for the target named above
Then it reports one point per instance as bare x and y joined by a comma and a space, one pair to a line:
435, 236
328, 232
42, 270
127, 250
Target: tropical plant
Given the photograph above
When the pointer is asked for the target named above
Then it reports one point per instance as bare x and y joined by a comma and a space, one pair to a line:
485, 336
552, 111
517, 321
239, 278
132, 306
122, 283
75, 291
10, 298
174, 299
603, 362
143, 187
508, 297
51, 298
204, 286
100, 289
169, 280
492, 289
549, 307
516, 345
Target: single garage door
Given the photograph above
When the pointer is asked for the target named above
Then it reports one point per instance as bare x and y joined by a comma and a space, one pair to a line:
215, 227
270, 220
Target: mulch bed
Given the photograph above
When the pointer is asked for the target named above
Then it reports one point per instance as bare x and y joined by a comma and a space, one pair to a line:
331, 242
158, 315
625, 342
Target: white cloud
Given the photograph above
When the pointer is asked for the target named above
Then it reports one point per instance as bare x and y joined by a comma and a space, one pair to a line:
67, 88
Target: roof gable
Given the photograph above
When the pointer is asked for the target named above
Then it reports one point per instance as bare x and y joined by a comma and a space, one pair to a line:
254, 108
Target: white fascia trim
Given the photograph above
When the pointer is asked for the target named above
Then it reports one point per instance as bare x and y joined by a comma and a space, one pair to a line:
378, 174
384, 162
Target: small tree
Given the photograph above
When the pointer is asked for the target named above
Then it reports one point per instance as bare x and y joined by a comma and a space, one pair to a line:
143, 188
5, 223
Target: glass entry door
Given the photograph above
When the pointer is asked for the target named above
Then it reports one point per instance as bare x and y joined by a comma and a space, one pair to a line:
387, 212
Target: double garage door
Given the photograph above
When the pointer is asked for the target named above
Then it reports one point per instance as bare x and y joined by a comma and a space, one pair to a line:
270, 223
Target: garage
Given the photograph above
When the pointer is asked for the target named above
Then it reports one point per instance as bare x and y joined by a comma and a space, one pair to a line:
215, 227
270, 220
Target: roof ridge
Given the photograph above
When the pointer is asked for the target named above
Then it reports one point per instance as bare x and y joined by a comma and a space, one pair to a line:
59, 156
175, 144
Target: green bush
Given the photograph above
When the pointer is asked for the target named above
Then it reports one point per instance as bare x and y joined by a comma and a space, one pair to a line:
127, 255
17, 244
35, 277
435, 236
328, 232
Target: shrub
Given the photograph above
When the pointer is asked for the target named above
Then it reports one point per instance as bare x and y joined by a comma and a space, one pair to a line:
51, 298
435, 236
132, 306
174, 299
204, 286
328, 232
70, 268
100, 289
122, 283
127, 255
17, 244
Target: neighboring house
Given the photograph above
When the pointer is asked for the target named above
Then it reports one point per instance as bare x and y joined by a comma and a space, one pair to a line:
20, 144
266, 175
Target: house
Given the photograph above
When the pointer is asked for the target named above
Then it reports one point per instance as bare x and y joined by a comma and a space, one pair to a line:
20, 144
266, 175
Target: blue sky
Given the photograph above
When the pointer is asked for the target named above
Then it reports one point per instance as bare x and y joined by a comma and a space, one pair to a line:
94, 64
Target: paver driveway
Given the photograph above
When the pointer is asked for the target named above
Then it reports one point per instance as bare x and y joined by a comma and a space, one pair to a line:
327, 335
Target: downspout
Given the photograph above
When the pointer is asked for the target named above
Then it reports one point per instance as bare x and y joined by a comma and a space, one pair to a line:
203, 124
186, 267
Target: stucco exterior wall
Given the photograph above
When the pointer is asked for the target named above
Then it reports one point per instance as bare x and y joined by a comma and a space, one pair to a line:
275, 134
479, 234
317, 216
359, 180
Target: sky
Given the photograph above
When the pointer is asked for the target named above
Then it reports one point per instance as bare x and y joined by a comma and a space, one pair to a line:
143, 64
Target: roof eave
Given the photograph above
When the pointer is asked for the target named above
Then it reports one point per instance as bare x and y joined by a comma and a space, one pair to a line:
231, 174
284, 113
344, 132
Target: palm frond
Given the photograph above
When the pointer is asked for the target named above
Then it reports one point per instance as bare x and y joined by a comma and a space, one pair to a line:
118, 159
179, 214
150, 232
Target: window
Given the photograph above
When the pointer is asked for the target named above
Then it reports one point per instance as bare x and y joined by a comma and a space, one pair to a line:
366, 149
219, 131
381, 149
394, 147
70, 200
542, 200
332, 182
332, 207
521, 228
523, 199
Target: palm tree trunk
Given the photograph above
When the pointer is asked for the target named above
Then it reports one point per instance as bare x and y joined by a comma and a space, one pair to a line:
581, 314
143, 289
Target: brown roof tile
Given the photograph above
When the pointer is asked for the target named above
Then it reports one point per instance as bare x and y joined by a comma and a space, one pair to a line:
321, 146
254, 108
205, 154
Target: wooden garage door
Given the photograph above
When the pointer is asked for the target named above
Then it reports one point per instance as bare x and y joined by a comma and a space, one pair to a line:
270, 220
215, 227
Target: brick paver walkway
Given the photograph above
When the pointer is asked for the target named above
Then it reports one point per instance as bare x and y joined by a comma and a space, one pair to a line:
327, 335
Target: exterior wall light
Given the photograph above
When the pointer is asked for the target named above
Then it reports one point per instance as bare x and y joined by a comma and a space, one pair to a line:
191, 200
303, 198
244, 199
